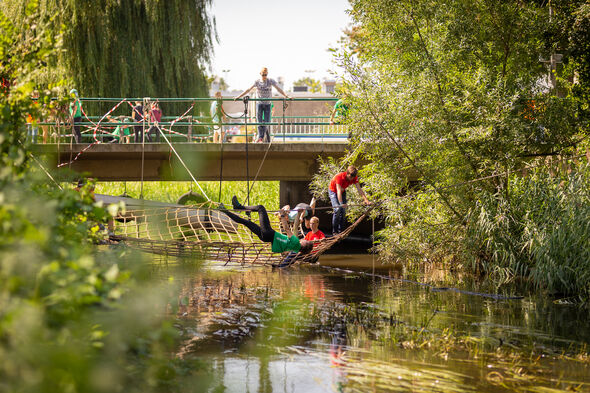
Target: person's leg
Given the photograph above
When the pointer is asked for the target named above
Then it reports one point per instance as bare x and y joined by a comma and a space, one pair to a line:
266, 135
77, 131
157, 132
267, 233
260, 119
247, 223
343, 213
45, 130
337, 209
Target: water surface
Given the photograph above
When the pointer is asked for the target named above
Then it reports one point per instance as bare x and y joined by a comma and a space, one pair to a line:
366, 328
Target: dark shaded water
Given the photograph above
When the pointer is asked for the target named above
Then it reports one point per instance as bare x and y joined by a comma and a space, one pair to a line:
318, 329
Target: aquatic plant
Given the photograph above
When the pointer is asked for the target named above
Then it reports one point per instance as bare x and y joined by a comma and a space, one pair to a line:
459, 109
539, 230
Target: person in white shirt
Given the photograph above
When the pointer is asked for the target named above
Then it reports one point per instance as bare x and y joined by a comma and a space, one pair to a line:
264, 90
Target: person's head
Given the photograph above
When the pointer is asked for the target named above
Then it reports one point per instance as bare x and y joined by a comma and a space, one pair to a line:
74, 93
137, 103
306, 246
82, 182
351, 172
217, 94
264, 73
314, 224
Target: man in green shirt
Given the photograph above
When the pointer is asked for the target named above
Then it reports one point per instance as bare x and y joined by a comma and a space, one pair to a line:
76, 115
122, 130
339, 112
280, 242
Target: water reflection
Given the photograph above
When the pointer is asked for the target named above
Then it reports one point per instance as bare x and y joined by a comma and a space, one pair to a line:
310, 329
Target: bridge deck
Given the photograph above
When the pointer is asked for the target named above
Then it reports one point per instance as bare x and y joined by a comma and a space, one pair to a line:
112, 162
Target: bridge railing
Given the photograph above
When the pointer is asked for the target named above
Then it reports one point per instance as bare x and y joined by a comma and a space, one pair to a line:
292, 120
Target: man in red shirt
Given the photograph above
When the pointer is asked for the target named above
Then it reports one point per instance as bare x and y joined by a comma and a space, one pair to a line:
337, 193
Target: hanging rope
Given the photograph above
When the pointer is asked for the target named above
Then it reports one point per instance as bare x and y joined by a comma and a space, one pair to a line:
178, 155
221, 168
246, 99
41, 166
260, 166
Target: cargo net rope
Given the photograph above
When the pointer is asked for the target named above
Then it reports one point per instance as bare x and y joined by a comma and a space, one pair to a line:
200, 231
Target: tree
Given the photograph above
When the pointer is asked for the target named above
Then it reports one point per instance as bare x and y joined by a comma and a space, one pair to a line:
69, 309
129, 48
454, 93
222, 84
314, 85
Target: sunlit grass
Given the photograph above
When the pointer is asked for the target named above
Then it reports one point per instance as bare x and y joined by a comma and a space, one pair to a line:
262, 192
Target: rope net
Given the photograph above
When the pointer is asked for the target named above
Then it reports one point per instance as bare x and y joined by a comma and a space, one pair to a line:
198, 231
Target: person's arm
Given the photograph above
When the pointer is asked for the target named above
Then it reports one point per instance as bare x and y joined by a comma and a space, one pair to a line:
285, 223
244, 92
332, 115
281, 91
72, 112
296, 225
312, 205
307, 223
362, 193
339, 194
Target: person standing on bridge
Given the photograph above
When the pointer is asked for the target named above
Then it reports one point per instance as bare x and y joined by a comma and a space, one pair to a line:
137, 114
339, 112
218, 117
155, 116
263, 90
76, 115
337, 194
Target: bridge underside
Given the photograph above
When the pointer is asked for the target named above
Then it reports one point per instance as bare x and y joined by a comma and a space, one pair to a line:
235, 161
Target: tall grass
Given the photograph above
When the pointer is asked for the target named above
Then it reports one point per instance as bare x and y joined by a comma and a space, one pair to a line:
540, 230
263, 192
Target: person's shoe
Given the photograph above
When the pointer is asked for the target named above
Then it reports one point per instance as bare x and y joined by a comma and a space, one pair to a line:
236, 204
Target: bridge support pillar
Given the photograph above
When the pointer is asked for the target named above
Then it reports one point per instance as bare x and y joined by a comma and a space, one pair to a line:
293, 192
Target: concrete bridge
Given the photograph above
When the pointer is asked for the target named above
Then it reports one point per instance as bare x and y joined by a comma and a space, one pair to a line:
134, 162
292, 164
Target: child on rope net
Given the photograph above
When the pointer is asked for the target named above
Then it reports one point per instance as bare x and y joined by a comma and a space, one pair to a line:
280, 242
302, 211
315, 233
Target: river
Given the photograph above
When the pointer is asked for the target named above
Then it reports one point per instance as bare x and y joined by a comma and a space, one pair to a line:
352, 325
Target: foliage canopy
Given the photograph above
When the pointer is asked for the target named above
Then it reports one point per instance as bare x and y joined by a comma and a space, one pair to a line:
129, 48
458, 93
